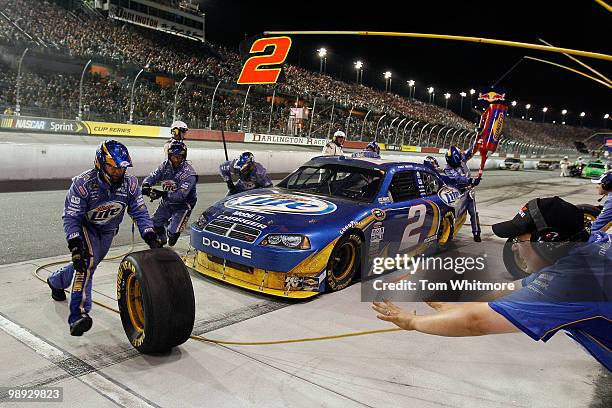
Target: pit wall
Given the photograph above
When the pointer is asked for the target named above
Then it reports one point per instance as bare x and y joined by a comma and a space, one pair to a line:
33, 161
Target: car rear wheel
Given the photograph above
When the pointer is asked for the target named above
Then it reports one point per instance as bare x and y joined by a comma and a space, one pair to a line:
344, 262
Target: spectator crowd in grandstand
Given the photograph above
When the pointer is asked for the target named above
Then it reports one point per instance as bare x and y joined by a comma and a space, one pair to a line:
47, 27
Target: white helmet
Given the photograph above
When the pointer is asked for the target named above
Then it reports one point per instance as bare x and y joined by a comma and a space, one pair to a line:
565, 158
338, 134
181, 127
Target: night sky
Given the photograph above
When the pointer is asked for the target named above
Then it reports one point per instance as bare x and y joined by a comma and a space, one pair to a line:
448, 66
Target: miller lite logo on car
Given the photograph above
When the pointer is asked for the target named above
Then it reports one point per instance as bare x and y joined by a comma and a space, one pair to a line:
105, 212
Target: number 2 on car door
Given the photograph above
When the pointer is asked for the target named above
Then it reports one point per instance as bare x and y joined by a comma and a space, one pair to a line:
416, 219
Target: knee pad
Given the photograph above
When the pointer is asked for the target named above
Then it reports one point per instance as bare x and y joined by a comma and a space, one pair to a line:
172, 238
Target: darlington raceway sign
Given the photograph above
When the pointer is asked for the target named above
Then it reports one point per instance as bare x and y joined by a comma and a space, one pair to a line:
290, 140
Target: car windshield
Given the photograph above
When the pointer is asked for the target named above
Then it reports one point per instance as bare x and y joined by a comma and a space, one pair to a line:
596, 165
353, 183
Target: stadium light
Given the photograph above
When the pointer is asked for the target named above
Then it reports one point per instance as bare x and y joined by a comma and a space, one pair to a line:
323, 56
606, 117
544, 110
462, 95
387, 80
359, 68
564, 111
582, 115
472, 92
513, 103
446, 97
432, 95
412, 88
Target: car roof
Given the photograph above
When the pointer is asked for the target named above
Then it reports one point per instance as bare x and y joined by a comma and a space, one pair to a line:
366, 163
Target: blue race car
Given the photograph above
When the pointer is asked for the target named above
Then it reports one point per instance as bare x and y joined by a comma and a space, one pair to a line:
321, 226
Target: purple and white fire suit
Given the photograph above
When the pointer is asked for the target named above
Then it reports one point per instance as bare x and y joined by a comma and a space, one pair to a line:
460, 178
256, 178
93, 212
175, 209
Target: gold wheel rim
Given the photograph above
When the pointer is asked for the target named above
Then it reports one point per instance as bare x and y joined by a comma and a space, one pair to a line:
134, 303
350, 248
445, 231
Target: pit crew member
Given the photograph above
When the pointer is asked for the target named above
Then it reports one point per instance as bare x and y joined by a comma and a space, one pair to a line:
178, 180
334, 148
603, 222
178, 130
372, 150
93, 211
250, 174
568, 290
458, 173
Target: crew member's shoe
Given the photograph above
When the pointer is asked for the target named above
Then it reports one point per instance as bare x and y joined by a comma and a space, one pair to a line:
80, 326
477, 238
57, 294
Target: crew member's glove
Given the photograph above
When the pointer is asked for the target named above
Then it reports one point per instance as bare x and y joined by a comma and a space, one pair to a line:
155, 194
146, 189
475, 181
151, 239
79, 254
231, 187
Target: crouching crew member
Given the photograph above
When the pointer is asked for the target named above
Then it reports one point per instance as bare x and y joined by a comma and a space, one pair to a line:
178, 180
249, 173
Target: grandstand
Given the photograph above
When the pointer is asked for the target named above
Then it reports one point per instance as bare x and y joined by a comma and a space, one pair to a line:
62, 36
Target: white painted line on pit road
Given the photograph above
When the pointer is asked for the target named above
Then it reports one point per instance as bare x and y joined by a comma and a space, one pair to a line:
73, 365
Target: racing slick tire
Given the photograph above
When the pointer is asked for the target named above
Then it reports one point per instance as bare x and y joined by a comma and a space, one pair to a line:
344, 262
446, 231
156, 300
515, 265
590, 213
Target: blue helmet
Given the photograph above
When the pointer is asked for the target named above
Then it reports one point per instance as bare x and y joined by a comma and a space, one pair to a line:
453, 157
114, 154
605, 180
373, 146
431, 162
177, 148
244, 162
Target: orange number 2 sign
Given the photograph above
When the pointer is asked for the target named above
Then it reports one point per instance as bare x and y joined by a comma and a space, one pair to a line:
252, 71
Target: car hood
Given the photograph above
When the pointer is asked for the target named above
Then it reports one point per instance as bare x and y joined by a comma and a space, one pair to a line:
278, 210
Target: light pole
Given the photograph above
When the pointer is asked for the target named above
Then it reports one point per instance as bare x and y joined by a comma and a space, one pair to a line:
17, 98
527, 107
563, 113
323, 56
446, 97
582, 115
606, 117
431, 93
462, 95
411, 89
132, 94
81, 90
513, 103
544, 110
176, 97
359, 68
472, 92
387, 80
